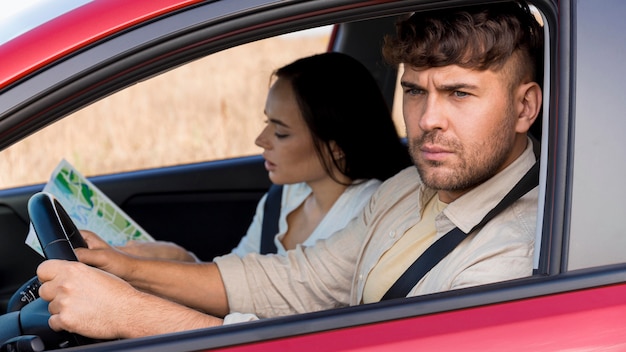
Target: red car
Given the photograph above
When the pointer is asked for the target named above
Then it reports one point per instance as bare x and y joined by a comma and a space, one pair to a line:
59, 60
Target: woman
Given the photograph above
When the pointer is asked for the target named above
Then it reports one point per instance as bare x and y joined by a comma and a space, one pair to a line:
329, 140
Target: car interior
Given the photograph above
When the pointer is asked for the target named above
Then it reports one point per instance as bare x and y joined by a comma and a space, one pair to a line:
207, 206
219, 195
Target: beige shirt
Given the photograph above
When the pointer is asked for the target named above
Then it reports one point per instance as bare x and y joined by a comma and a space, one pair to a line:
402, 254
332, 273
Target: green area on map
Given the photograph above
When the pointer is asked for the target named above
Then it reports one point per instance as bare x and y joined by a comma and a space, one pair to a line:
90, 209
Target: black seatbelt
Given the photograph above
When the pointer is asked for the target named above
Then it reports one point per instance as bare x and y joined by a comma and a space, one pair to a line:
271, 213
443, 246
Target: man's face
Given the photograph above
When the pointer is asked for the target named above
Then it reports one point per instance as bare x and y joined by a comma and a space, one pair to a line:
460, 126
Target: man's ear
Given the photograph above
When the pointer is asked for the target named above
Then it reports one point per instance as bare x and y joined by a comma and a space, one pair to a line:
528, 101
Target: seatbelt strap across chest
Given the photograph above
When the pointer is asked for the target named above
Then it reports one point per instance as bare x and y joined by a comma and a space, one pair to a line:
444, 245
271, 213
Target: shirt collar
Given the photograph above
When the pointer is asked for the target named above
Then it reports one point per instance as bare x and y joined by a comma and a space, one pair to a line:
468, 210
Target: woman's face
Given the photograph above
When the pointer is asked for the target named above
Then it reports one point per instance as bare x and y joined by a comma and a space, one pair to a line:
289, 153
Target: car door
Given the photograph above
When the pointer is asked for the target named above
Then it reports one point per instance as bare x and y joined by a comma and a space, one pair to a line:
575, 300
182, 191
202, 203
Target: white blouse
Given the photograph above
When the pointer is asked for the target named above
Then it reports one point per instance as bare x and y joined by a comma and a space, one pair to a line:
347, 207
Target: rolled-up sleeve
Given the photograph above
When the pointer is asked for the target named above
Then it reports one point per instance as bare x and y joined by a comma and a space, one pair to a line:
306, 279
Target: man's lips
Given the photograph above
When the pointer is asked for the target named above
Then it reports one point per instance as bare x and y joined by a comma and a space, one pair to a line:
435, 153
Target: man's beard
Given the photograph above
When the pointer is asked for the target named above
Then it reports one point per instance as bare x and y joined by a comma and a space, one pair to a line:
473, 164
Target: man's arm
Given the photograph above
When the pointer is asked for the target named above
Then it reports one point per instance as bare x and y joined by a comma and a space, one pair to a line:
159, 250
303, 280
96, 304
196, 285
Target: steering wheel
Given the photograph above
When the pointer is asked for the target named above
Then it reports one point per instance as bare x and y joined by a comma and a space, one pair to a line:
27, 329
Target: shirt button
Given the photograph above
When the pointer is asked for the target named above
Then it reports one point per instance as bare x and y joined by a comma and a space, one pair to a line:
392, 234
360, 277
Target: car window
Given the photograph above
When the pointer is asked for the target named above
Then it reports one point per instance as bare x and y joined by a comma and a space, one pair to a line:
209, 109
18, 17
598, 229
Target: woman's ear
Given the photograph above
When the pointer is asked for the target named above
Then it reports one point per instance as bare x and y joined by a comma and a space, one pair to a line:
528, 102
337, 152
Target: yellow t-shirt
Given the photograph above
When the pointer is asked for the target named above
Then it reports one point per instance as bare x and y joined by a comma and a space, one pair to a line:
403, 253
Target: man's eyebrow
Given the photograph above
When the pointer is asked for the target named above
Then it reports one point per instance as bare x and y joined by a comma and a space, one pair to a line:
444, 87
456, 86
411, 85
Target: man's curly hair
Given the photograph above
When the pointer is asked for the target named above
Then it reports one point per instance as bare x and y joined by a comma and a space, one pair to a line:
478, 37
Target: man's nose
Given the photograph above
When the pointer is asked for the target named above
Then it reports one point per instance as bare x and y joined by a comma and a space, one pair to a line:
433, 115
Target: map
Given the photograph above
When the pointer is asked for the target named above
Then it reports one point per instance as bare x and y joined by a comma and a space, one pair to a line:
89, 208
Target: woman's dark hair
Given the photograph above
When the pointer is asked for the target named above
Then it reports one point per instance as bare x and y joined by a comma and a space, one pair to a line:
340, 102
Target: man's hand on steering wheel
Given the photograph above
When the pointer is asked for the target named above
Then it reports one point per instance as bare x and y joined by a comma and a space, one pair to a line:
93, 293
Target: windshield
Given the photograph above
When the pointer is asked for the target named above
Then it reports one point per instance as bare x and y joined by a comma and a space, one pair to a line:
18, 17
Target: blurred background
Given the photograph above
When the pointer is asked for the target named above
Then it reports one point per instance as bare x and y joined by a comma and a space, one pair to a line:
209, 109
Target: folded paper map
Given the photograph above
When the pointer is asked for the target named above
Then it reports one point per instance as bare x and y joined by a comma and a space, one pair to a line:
89, 208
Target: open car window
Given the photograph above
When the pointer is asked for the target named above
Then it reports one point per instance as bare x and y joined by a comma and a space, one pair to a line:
209, 109
189, 131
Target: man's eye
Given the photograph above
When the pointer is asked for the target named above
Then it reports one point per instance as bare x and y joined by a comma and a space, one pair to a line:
413, 91
460, 94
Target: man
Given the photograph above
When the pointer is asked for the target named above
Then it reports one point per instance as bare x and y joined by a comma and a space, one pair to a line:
470, 96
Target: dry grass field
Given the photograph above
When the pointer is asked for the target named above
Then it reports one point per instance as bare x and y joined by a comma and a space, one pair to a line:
206, 110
